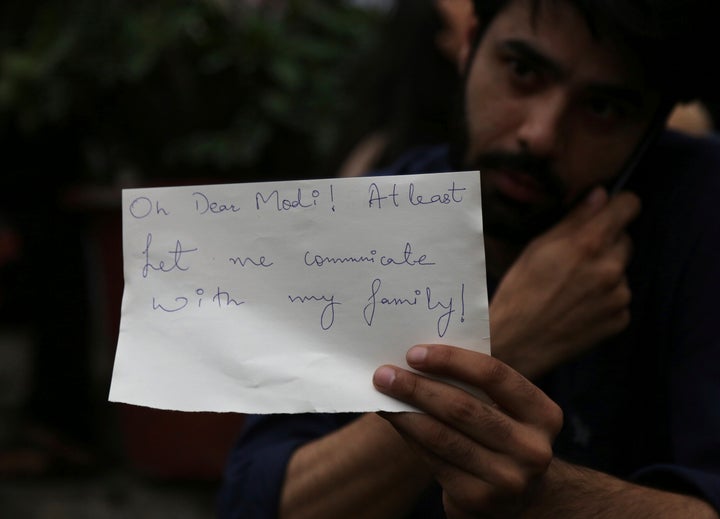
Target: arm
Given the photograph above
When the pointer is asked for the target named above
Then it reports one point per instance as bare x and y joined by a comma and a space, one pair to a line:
321, 465
567, 290
321, 468
494, 459
364, 469
343, 472
572, 491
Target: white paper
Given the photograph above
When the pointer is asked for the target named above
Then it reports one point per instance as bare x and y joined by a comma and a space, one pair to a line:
285, 297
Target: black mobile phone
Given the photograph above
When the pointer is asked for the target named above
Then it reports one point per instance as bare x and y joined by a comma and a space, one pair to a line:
657, 125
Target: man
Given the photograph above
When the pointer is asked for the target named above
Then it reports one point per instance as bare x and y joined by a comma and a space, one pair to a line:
560, 95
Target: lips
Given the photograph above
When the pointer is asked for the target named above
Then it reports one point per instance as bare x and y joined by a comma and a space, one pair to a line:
518, 186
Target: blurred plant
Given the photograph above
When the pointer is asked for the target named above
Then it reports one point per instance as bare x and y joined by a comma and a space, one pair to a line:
175, 88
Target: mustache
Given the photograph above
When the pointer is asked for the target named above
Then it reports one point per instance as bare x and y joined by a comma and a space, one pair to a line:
538, 168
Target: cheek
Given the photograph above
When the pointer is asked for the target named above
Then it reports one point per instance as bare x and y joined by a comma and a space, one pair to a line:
492, 115
593, 164
491, 120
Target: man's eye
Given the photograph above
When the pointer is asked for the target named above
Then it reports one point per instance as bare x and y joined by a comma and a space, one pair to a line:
520, 68
606, 108
522, 72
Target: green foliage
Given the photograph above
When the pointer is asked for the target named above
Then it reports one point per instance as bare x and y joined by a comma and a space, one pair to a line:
174, 88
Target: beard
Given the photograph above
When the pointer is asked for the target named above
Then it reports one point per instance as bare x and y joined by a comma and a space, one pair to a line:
513, 221
506, 219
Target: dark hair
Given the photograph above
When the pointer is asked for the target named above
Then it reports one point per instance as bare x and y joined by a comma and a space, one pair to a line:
671, 37
405, 85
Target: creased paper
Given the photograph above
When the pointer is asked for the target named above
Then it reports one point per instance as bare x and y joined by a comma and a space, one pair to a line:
284, 297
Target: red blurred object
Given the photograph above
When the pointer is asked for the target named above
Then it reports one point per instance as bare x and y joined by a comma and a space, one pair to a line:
157, 443
177, 445
10, 245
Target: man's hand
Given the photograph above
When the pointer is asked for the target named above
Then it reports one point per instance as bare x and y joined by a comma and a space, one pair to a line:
567, 291
488, 454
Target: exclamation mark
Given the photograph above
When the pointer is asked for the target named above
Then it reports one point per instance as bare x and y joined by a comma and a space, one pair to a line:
462, 303
332, 198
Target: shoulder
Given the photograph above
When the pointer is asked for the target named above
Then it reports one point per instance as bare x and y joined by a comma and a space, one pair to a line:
676, 238
678, 156
681, 177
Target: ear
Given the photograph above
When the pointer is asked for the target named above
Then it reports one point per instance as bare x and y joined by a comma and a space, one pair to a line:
467, 46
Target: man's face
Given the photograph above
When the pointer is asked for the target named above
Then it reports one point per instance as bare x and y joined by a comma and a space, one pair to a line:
552, 110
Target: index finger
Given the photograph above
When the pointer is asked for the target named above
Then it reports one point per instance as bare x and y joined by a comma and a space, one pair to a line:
612, 219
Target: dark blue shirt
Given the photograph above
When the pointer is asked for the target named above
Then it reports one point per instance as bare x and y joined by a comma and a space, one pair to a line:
644, 406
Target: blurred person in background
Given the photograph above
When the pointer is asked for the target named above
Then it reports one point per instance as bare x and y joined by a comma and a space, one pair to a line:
693, 118
408, 89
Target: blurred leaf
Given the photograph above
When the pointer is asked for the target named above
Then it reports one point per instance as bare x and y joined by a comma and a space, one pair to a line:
182, 87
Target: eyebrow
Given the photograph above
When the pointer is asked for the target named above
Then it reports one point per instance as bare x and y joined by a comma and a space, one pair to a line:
628, 95
618, 91
534, 56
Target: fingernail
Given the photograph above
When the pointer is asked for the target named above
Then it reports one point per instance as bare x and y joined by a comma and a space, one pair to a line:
416, 355
384, 376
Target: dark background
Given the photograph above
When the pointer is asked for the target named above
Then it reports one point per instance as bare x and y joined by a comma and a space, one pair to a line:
96, 96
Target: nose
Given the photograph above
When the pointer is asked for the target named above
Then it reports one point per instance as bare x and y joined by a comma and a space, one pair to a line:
540, 131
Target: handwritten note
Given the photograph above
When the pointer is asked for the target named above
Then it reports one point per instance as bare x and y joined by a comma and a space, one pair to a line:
285, 297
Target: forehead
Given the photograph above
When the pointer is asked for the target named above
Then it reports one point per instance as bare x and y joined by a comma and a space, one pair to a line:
559, 31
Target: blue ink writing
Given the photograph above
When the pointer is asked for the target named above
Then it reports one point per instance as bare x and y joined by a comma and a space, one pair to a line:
220, 297
181, 302
319, 260
407, 257
369, 309
286, 204
376, 198
327, 317
255, 262
142, 206
177, 256
444, 320
203, 205
429, 302
453, 195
